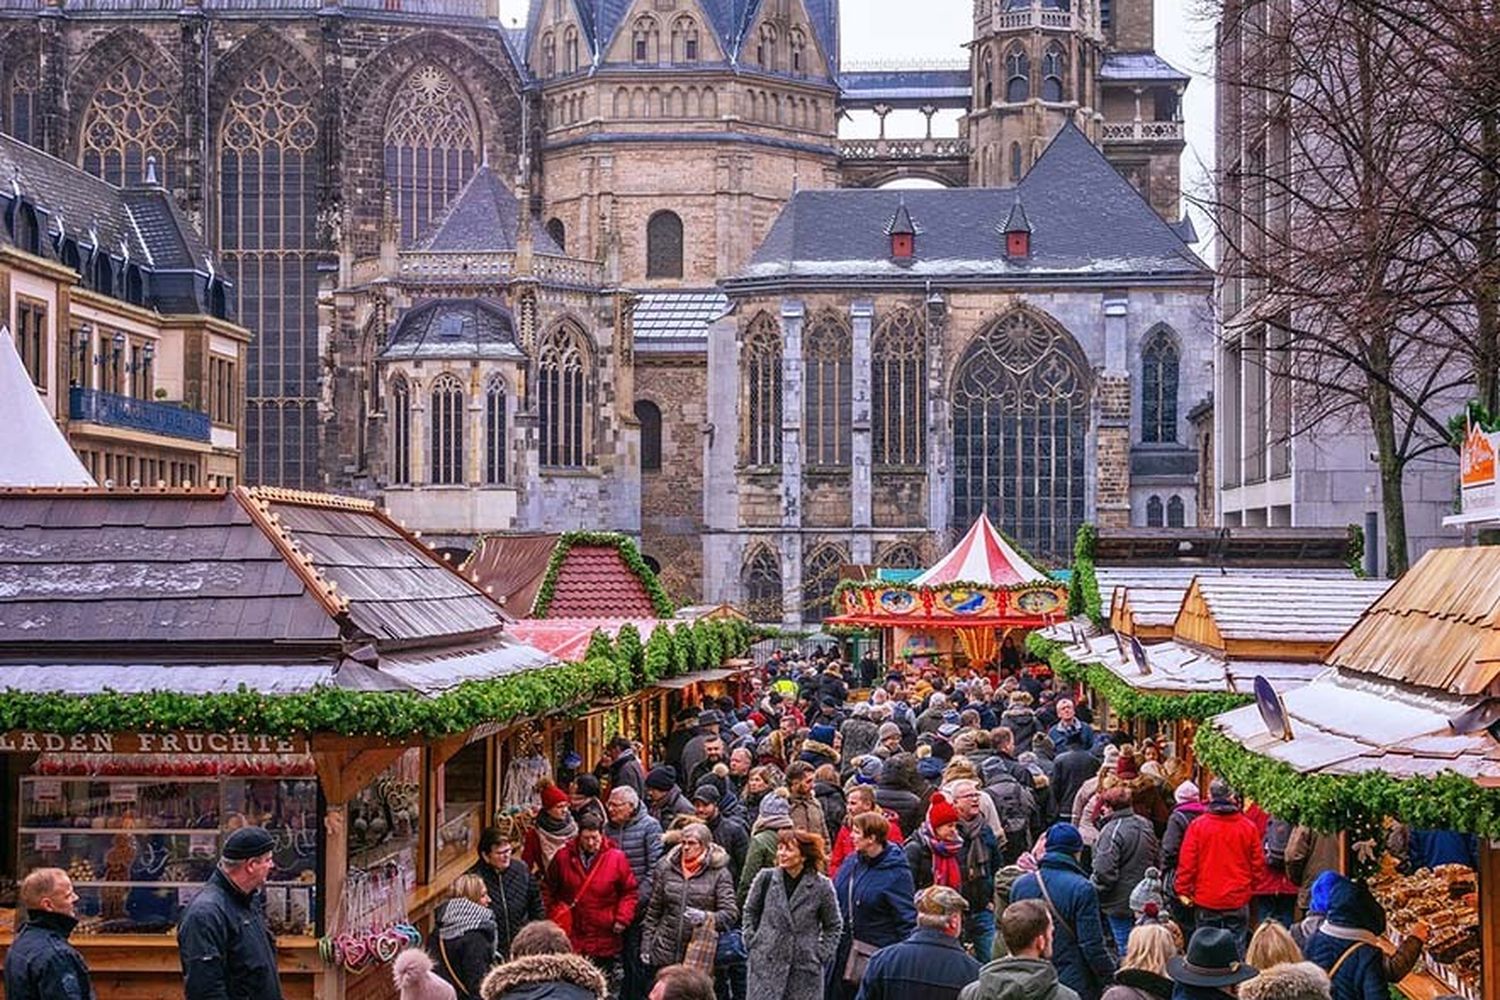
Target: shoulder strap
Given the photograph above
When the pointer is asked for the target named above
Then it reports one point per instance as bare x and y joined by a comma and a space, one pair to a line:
598, 863
1052, 907
458, 982
1346, 953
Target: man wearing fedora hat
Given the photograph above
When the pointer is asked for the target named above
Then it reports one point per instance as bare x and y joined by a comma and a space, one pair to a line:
1211, 969
227, 952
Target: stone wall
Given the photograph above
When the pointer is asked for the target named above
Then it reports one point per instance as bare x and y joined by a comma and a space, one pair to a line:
672, 498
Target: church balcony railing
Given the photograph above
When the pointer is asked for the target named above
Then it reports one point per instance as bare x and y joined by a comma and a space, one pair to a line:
447, 267
955, 147
568, 270
113, 410
1034, 16
1143, 131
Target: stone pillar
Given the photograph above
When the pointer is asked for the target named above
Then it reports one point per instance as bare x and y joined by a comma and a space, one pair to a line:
723, 546
1112, 392
474, 440
861, 318
792, 316
939, 445
419, 466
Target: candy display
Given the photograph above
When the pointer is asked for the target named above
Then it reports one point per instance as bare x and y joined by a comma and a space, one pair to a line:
1446, 899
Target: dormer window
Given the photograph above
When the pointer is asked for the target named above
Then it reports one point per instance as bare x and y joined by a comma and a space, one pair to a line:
903, 236
1017, 233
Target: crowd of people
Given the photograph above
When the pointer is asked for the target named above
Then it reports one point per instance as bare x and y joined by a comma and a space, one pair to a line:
932, 837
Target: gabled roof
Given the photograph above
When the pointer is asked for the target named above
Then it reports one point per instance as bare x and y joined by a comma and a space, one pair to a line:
33, 451
1138, 67
589, 574
593, 581
1087, 221
483, 218
1270, 617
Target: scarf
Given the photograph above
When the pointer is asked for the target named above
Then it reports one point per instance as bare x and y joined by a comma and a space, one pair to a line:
1359, 934
692, 868
977, 857
461, 915
552, 835
945, 870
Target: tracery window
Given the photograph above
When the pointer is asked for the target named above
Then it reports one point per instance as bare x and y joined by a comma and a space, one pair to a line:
400, 432
820, 575
898, 382
1176, 513
549, 55
495, 442
268, 241
1020, 416
21, 110
564, 397
1054, 71
431, 146
799, 48
684, 40
645, 40
664, 246
761, 363
1153, 512
765, 49
1017, 75
445, 416
570, 49
900, 556
130, 117
762, 582
649, 414
1159, 387
828, 391
987, 80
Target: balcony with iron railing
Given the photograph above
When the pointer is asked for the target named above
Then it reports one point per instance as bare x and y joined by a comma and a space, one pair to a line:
110, 409
1143, 132
930, 148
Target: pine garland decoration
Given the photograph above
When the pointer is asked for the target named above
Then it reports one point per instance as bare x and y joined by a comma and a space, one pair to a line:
1126, 700
628, 552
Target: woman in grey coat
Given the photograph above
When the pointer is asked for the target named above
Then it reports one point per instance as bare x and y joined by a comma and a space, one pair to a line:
792, 922
692, 885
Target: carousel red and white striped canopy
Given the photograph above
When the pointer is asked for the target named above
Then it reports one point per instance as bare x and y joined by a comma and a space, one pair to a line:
984, 557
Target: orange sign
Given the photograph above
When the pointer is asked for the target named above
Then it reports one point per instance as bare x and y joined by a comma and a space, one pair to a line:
1477, 458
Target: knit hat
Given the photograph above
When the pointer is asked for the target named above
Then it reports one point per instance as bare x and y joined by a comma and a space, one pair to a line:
940, 811
1322, 889
708, 794
886, 731
1127, 768
867, 769
248, 842
775, 804
1111, 756
1148, 891
662, 777
1187, 792
742, 729
552, 795
587, 784
930, 768
822, 733
1064, 837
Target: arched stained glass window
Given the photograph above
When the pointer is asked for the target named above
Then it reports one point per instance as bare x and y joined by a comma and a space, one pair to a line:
431, 146
1176, 514
268, 241
1020, 418
21, 110
761, 578
761, 364
1153, 512
400, 432
1159, 387
900, 556
1054, 72
828, 390
649, 414
664, 246
495, 442
445, 417
564, 393
130, 118
1017, 75
820, 575
898, 384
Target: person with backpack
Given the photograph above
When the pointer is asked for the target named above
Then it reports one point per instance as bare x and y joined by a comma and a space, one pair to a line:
1189, 807
1015, 806
1274, 895
1125, 851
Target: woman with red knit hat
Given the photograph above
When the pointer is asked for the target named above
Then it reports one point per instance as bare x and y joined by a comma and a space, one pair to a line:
553, 827
934, 850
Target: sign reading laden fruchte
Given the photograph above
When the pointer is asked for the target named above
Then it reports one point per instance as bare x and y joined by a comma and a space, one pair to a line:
26, 741
1476, 463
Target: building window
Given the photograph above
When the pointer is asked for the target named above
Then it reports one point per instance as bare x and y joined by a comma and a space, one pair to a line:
559, 233
1175, 512
645, 38
563, 398
649, 414
799, 46
400, 432
765, 49
1020, 419
664, 246
987, 81
1159, 388
1153, 512
1015, 163
22, 108
495, 443
898, 384
446, 414
1017, 76
820, 575
431, 146
761, 364
31, 339
828, 391
141, 357
762, 582
130, 118
271, 250
1054, 71
570, 49
549, 55
221, 391
900, 556
684, 40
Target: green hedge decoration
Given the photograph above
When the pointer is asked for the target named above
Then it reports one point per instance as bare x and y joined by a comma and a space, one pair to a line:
628, 552
1083, 588
1126, 700
1356, 561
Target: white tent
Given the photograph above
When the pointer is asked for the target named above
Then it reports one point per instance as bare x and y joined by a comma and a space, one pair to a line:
33, 451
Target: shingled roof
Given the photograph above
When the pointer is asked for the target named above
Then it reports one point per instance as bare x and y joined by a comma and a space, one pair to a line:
1087, 224
589, 573
483, 218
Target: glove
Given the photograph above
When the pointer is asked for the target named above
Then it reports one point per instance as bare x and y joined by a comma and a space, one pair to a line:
694, 916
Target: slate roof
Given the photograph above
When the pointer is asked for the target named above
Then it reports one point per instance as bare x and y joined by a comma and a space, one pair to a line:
454, 328
1140, 67
1087, 223
483, 218
676, 320
903, 85
594, 582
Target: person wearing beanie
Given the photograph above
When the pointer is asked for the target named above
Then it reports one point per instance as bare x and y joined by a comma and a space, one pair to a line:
1317, 908
554, 826
583, 799
817, 749
1221, 861
727, 832
413, 973
775, 816
866, 769
1078, 950
1189, 807
664, 800
887, 740
222, 938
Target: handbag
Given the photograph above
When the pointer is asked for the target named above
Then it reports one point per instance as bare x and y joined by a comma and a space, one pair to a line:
458, 984
731, 949
702, 948
859, 951
561, 913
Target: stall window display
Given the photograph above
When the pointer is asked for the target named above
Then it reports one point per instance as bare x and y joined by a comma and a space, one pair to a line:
462, 816
139, 835
1446, 899
385, 816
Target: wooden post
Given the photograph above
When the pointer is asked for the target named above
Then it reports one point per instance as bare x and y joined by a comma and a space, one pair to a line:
335, 866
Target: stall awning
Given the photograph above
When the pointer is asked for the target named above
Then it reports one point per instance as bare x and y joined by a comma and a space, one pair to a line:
983, 556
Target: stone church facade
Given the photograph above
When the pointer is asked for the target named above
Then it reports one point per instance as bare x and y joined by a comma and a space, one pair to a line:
555, 358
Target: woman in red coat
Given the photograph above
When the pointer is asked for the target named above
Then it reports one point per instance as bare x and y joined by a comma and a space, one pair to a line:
590, 885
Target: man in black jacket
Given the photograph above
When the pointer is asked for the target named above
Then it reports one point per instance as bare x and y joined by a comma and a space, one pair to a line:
515, 897
41, 964
729, 834
227, 951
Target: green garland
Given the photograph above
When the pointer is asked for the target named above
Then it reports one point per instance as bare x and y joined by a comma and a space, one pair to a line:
1356, 557
1083, 588
1329, 803
1126, 700
628, 552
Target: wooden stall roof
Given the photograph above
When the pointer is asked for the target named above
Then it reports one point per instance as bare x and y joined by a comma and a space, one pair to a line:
1272, 618
511, 567
1437, 627
593, 581
1145, 612
1242, 547
1177, 668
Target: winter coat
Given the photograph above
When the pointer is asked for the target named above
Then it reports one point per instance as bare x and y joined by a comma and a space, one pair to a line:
1273, 881
515, 899
860, 736
1069, 772
807, 814
761, 853
1013, 978
674, 804
1138, 984
1353, 914
1294, 981
1078, 949
876, 898
627, 772
831, 800
42, 965
545, 977
894, 790
790, 940
609, 898
843, 841
226, 949
665, 935
1308, 855
1080, 734
640, 839
1015, 805
416, 978
928, 965
1221, 860
462, 944
731, 835
977, 865
1022, 724
1171, 841
1126, 848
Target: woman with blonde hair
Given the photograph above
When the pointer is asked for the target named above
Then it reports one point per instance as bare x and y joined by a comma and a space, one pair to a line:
463, 939
1143, 971
1272, 944
1283, 973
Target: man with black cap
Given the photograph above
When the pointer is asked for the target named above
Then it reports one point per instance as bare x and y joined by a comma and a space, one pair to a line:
664, 800
1211, 968
728, 833
225, 947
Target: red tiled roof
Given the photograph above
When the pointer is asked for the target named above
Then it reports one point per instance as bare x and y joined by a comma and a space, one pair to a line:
594, 582
568, 638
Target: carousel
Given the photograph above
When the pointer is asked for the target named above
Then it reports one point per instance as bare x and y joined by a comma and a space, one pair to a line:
975, 601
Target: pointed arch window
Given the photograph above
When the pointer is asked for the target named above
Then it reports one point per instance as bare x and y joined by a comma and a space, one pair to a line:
684, 40
130, 118
564, 397
1154, 517
1016, 166
1054, 72
645, 40
761, 578
1159, 362
900, 556
549, 55
1017, 75
664, 246
570, 49
765, 49
496, 444
400, 432
21, 109
761, 363
649, 415
445, 414
898, 382
431, 146
820, 575
559, 233
987, 80
1176, 512
828, 391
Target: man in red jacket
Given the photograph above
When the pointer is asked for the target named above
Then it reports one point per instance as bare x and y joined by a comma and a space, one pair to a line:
590, 886
1221, 863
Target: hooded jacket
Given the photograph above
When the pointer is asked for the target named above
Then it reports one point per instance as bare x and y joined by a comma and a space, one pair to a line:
627, 772
1354, 924
1078, 949
545, 977
876, 898
762, 851
831, 800
672, 805
601, 896
1171, 841
1291, 981
640, 839
1021, 721
1014, 978
860, 736
42, 965
894, 790
667, 930
515, 899
1222, 859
